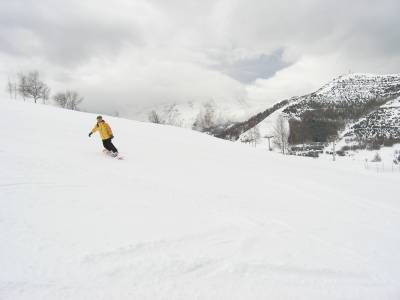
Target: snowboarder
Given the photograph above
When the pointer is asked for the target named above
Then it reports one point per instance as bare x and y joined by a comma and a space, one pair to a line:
106, 135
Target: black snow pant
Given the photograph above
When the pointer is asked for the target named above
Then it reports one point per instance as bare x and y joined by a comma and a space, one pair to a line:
109, 146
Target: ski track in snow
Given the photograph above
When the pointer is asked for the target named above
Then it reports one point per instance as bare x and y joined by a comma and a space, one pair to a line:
186, 216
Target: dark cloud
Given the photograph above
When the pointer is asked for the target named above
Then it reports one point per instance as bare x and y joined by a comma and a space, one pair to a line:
262, 66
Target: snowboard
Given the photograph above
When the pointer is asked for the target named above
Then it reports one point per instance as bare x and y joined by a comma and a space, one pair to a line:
110, 154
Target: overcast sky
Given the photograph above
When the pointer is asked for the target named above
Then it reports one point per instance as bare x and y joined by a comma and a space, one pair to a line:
136, 52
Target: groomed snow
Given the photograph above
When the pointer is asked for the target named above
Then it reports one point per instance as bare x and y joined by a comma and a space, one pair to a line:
184, 216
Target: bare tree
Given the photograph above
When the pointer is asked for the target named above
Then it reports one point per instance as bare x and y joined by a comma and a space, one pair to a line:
11, 88
173, 116
45, 94
255, 135
281, 134
60, 99
15, 90
68, 100
252, 136
154, 117
74, 100
209, 115
30, 86
206, 117
22, 85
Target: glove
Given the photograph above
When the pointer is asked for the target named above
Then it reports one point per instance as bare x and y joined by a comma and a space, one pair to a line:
90, 134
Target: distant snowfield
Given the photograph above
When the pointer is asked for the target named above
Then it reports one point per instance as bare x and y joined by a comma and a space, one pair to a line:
184, 216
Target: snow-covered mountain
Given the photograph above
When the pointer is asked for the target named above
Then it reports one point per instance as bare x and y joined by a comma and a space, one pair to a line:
198, 115
355, 95
348, 91
358, 101
184, 216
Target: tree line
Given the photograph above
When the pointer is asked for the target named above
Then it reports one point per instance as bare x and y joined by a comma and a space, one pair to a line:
30, 86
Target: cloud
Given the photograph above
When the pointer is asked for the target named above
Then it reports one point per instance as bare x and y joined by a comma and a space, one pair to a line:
135, 53
67, 32
298, 79
134, 82
249, 69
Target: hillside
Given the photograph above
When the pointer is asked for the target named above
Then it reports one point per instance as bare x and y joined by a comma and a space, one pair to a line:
184, 216
346, 102
383, 122
348, 92
339, 103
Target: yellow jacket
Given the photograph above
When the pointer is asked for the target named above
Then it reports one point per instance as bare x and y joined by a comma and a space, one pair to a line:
104, 129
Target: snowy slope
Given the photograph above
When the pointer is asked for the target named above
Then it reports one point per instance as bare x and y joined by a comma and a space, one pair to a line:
185, 216
385, 122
